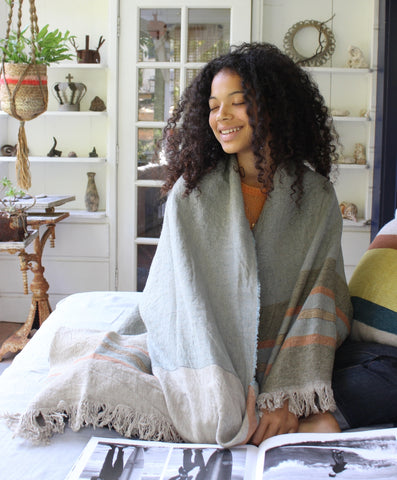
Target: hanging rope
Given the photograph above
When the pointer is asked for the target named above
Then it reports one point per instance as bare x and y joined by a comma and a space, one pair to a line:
23, 89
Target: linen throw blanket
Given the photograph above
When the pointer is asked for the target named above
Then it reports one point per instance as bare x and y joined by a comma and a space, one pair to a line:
223, 307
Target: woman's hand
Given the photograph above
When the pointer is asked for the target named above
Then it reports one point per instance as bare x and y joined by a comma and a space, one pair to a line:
273, 423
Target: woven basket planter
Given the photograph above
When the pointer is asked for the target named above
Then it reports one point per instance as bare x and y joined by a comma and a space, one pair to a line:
23, 90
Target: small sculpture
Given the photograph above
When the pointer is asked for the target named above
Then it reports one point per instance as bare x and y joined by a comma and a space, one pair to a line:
349, 211
97, 105
87, 55
72, 154
364, 113
340, 113
93, 153
53, 152
356, 58
359, 154
69, 94
8, 150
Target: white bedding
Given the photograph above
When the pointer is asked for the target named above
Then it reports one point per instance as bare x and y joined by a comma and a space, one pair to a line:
19, 458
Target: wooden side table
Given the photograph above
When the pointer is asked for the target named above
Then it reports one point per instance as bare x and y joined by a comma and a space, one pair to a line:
40, 307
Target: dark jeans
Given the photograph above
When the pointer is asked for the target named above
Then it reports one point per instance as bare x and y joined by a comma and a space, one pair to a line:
365, 384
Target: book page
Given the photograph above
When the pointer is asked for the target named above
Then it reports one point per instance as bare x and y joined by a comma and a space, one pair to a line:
105, 458
366, 455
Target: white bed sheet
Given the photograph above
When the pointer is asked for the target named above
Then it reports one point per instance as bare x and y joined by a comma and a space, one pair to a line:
24, 377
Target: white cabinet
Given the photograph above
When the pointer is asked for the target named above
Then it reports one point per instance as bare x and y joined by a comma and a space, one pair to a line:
84, 255
353, 23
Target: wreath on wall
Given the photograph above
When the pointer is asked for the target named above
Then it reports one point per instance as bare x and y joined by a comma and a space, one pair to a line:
324, 50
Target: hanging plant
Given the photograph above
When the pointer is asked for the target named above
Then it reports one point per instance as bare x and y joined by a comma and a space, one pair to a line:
23, 76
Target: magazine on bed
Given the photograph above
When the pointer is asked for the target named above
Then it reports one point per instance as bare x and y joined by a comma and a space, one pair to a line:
370, 454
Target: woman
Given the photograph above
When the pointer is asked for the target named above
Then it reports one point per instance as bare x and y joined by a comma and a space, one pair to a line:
257, 105
246, 299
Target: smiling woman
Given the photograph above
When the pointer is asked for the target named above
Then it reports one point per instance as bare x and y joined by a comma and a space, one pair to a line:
237, 147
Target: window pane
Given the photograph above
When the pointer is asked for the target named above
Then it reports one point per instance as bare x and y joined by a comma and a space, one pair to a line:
159, 35
208, 33
145, 257
151, 166
158, 93
151, 205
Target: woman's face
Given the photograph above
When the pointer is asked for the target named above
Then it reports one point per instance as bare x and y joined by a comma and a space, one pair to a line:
228, 117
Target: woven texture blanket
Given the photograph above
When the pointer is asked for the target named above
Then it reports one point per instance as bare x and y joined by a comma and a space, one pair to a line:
225, 309
373, 288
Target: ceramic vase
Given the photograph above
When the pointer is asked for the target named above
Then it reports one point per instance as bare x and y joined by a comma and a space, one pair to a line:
91, 194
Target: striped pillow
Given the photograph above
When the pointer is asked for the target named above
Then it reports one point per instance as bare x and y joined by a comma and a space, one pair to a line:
373, 290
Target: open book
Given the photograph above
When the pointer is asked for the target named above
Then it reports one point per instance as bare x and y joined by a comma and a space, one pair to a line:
370, 454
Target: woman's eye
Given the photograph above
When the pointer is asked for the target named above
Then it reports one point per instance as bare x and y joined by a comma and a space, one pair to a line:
214, 107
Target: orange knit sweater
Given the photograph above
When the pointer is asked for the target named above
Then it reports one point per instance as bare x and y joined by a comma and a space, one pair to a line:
254, 199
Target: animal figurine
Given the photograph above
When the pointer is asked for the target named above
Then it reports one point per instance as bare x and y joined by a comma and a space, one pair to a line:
53, 152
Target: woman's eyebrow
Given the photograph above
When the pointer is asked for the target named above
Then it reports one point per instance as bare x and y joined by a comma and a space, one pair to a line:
229, 94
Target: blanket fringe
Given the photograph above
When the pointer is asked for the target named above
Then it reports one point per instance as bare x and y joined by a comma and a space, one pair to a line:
315, 399
38, 426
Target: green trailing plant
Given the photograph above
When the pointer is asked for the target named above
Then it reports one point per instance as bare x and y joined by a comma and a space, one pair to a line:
9, 196
49, 47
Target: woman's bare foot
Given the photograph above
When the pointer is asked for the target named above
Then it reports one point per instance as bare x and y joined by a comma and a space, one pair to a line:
319, 423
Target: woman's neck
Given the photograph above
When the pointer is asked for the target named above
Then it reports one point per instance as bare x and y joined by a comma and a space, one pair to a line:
247, 170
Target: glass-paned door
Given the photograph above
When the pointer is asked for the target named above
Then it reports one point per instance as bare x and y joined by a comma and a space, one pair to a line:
171, 42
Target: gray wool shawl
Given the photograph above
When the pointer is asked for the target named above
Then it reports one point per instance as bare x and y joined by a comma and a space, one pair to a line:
234, 321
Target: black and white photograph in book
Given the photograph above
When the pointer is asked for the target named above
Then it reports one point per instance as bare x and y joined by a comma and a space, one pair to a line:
111, 460
348, 458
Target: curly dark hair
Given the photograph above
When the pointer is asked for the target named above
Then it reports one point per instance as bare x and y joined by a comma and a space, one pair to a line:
283, 105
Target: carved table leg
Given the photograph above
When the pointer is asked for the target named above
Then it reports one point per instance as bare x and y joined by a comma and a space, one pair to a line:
40, 305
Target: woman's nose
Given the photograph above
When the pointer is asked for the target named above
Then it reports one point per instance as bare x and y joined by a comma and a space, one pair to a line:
223, 113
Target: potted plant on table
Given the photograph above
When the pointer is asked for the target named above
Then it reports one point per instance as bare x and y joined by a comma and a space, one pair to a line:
23, 77
13, 216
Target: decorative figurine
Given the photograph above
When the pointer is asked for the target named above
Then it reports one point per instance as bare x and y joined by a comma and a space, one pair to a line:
87, 55
69, 94
97, 105
356, 58
338, 112
53, 152
349, 211
72, 154
359, 154
9, 150
93, 153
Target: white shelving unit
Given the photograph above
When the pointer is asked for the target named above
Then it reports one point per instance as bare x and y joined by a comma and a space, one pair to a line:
84, 257
352, 23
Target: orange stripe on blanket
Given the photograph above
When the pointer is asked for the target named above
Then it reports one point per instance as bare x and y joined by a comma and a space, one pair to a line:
384, 241
97, 356
305, 340
317, 313
266, 343
325, 291
344, 318
293, 311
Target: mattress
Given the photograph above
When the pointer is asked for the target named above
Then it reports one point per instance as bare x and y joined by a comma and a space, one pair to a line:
106, 311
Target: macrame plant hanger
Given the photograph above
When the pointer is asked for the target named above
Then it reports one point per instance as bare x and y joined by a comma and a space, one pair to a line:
23, 90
